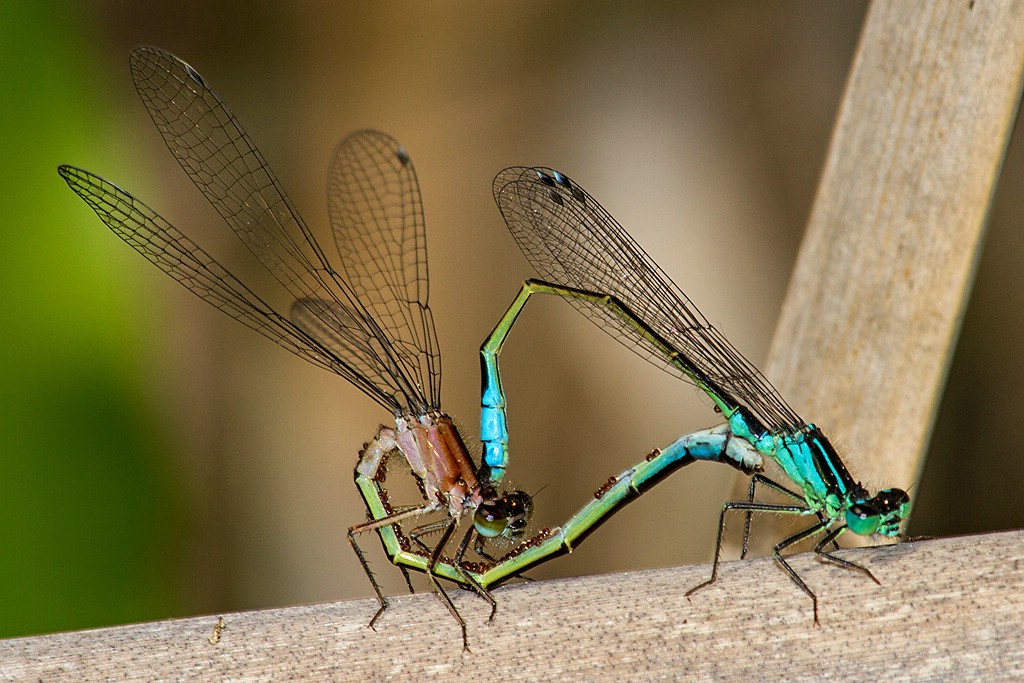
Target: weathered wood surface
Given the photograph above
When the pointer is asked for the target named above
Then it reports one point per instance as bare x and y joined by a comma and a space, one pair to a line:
949, 609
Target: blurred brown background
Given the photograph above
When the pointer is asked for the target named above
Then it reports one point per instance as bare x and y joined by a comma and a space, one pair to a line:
158, 459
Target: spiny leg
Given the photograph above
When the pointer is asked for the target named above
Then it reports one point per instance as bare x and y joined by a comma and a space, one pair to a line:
742, 505
796, 538
456, 564
369, 574
408, 579
775, 486
371, 526
439, 589
406, 575
470, 581
423, 530
831, 537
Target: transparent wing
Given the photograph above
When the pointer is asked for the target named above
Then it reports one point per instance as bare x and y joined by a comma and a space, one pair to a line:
212, 148
175, 254
379, 229
571, 240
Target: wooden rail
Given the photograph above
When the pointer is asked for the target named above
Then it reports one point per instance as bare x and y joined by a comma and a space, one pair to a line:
949, 609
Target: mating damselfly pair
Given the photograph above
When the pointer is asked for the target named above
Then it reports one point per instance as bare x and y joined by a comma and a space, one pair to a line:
367, 318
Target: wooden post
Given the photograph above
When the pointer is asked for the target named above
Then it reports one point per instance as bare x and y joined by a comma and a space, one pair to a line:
884, 272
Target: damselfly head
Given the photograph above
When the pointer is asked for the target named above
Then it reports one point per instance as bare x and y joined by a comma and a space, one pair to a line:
505, 516
880, 515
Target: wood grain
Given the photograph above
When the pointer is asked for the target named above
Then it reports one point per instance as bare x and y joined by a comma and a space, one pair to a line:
949, 609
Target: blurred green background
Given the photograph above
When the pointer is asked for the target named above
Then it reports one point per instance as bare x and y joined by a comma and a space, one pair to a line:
159, 460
